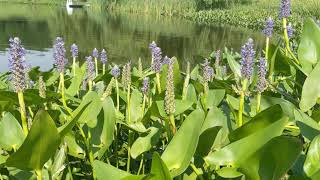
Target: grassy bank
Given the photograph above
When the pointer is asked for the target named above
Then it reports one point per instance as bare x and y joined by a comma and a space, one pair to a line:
249, 14
33, 1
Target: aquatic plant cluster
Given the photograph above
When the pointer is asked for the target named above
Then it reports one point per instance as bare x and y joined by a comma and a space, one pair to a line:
247, 115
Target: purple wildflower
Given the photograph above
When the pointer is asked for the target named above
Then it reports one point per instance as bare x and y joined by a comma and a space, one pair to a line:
268, 28
146, 86
74, 50
262, 72
152, 45
169, 100
166, 60
247, 54
59, 54
115, 71
156, 57
103, 56
17, 64
208, 71
285, 9
90, 68
290, 30
95, 53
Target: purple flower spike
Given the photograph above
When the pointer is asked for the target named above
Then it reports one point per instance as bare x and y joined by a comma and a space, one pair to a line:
208, 71
103, 56
95, 53
146, 86
115, 71
285, 9
166, 60
268, 28
17, 64
74, 50
290, 30
152, 45
169, 100
247, 54
59, 54
90, 68
157, 57
218, 58
262, 72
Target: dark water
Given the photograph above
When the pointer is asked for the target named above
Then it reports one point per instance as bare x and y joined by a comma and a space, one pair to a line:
123, 36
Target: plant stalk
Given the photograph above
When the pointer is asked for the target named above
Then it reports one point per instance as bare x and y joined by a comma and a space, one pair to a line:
74, 66
258, 102
173, 124
23, 113
96, 64
117, 90
241, 104
158, 82
286, 39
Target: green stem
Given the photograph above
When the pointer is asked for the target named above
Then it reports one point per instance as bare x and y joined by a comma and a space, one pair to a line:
286, 39
90, 85
258, 102
241, 104
129, 132
158, 82
104, 69
144, 104
141, 164
196, 170
63, 93
74, 66
118, 100
173, 124
39, 174
23, 113
267, 48
185, 87
96, 64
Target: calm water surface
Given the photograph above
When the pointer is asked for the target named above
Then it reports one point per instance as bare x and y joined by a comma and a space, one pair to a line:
123, 36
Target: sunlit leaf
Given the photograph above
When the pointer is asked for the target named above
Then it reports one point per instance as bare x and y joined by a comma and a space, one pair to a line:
40, 144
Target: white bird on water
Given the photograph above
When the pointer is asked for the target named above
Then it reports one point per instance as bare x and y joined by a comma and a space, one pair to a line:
69, 9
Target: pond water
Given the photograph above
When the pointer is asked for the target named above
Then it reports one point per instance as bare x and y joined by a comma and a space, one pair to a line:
125, 37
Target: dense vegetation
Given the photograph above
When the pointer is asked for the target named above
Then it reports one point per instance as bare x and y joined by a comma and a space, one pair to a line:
257, 119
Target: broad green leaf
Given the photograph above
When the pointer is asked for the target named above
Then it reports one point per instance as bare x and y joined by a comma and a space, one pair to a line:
215, 96
312, 163
135, 106
159, 170
309, 128
63, 130
260, 121
309, 48
273, 160
105, 171
311, 90
191, 94
90, 114
215, 117
11, 134
229, 172
238, 151
76, 81
145, 143
234, 65
206, 140
58, 163
109, 113
176, 75
181, 107
188, 132
41, 143
73, 148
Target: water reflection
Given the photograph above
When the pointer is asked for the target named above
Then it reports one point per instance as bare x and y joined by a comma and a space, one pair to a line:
123, 36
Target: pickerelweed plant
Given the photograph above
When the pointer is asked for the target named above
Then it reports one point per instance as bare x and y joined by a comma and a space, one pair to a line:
221, 119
